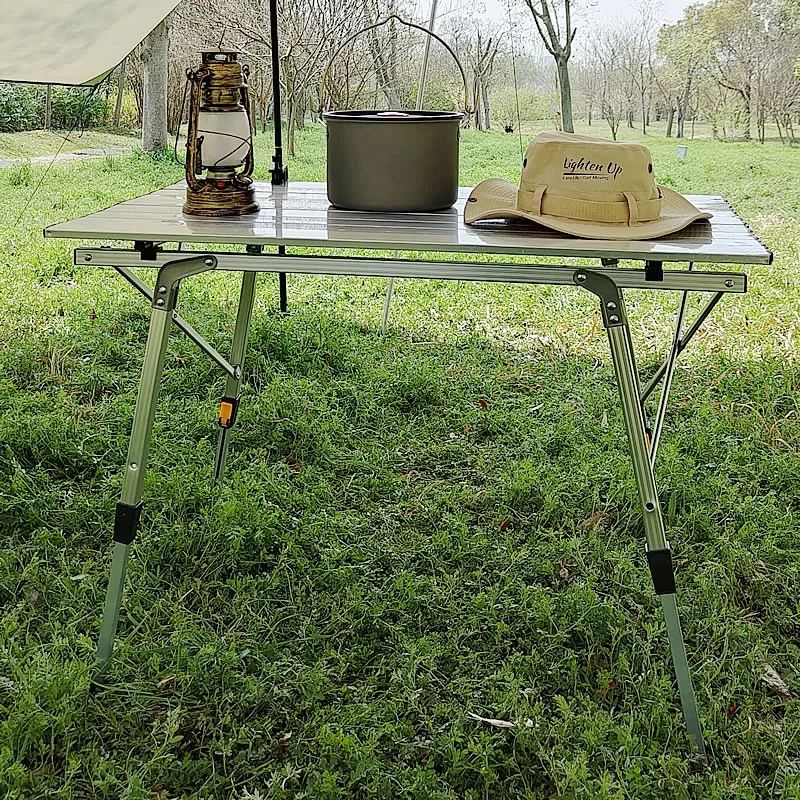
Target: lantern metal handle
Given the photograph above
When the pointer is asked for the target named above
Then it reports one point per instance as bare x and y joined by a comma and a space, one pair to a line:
249, 161
193, 141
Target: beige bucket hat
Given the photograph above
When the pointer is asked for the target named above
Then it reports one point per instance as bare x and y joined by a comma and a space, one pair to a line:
585, 187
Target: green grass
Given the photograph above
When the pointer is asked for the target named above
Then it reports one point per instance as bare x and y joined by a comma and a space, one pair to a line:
413, 527
31, 144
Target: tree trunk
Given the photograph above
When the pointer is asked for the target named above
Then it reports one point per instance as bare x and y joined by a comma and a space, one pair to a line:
643, 98
392, 69
154, 114
778, 125
755, 102
487, 120
566, 95
48, 108
683, 104
120, 90
670, 118
644, 113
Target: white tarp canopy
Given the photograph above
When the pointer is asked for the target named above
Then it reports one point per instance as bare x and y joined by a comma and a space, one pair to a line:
72, 41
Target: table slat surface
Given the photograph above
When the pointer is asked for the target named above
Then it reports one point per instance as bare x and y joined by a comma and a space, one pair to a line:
299, 215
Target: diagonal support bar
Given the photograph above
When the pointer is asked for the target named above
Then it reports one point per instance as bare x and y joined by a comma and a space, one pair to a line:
669, 372
683, 343
179, 322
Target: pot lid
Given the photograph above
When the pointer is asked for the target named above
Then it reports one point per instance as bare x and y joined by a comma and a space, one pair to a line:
393, 116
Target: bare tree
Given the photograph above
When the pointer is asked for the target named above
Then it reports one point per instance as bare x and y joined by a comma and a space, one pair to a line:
120, 92
476, 46
384, 53
612, 79
638, 41
557, 39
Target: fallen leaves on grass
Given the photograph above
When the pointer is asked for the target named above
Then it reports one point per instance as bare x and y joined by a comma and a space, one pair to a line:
604, 690
168, 682
732, 710
292, 462
590, 523
565, 569
774, 681
489, 722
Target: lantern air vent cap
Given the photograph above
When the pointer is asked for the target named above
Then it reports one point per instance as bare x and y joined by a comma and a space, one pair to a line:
219, 56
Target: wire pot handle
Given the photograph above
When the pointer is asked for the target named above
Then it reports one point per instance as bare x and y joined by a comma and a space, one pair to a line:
406, 22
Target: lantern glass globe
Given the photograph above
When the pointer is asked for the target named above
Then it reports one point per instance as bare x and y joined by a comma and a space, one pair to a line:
226, 138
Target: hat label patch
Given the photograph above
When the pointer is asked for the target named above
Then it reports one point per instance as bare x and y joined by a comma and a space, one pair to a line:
583, 168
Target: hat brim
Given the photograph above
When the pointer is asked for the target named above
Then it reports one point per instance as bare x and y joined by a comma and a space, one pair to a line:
496, 198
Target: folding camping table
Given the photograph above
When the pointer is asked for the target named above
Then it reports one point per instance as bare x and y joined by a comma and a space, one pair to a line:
298, 215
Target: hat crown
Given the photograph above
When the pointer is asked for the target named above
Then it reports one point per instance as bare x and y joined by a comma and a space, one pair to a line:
584, 167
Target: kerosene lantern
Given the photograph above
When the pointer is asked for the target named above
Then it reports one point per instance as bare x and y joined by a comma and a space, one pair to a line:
219, 147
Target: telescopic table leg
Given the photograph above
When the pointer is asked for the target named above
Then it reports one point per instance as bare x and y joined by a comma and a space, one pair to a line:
659, 555
230, 402
129, 507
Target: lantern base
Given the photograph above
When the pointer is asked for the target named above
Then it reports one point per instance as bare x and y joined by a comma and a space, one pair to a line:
230, 201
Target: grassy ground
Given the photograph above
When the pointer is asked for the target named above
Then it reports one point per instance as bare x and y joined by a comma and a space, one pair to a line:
44, 143
414, 527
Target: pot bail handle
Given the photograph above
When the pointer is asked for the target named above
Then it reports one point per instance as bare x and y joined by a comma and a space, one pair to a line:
323, 83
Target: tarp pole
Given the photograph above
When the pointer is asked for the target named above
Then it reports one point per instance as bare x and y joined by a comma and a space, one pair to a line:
423, 71
279, 172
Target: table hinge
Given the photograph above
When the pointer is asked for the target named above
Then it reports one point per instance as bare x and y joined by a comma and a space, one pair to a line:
148, 250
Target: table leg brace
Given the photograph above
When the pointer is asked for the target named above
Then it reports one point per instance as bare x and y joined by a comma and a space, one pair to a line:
129, 508
659, 555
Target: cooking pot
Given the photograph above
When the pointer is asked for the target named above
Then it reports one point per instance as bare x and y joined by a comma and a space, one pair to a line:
393, 160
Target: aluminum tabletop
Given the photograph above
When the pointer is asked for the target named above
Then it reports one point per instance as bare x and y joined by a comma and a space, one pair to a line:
299, 215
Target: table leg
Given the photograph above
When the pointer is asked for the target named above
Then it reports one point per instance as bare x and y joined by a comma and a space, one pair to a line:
129, 507
659, 555
230, 402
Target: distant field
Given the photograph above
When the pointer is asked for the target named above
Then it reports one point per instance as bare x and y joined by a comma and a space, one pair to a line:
42, 143
31, 144
701, 130
414, 526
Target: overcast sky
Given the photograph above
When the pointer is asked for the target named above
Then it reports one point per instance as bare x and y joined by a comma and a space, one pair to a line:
665, 11
606, 10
